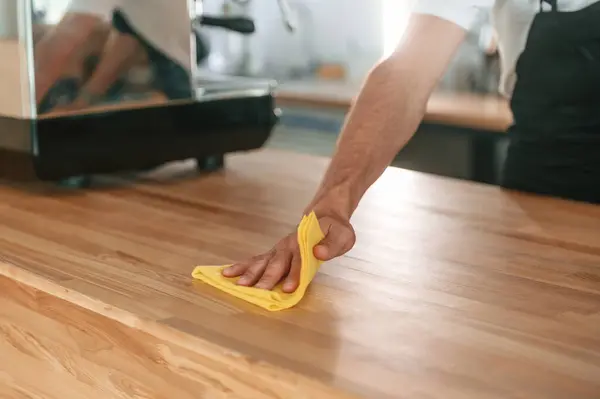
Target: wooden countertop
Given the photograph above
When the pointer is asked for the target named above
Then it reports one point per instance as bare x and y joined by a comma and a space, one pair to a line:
476, 111
454, 290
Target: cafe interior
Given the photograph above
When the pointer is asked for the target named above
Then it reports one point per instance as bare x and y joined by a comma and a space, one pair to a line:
147, 145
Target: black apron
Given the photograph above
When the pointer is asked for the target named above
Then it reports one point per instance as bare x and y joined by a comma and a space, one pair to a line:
555, 139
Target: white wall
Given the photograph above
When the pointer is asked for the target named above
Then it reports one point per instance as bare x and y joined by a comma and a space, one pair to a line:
356, 33
346, 31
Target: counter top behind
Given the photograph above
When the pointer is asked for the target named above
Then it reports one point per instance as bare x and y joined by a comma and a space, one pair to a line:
467, 110
454, 289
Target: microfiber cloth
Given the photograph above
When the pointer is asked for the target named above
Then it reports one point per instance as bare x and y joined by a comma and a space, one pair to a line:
309, 235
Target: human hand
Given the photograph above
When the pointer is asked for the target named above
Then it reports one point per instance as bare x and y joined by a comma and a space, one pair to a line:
283, 262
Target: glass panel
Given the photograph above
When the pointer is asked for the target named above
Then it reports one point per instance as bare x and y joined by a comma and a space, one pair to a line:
98, 55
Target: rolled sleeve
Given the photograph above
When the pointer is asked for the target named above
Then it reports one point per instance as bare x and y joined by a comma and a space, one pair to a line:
464, 13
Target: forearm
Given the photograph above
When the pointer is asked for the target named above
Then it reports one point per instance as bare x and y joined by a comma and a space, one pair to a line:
58, 46
384, 117
119, 55
387, 112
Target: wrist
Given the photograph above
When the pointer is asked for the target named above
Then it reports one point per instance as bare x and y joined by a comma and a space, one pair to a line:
339, 201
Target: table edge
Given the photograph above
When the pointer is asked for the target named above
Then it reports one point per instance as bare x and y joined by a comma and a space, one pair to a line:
160, 330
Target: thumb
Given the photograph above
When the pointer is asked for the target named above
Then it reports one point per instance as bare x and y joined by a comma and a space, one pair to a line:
338, 241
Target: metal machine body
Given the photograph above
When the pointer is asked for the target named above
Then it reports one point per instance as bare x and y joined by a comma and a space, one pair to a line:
103, 86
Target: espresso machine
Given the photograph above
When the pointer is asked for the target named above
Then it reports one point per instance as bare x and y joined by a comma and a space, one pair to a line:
93, 87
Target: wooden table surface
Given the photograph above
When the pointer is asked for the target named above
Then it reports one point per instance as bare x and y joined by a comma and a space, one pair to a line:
454, 290
469, 110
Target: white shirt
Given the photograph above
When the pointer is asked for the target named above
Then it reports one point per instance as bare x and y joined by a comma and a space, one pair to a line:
512, 20
166, 24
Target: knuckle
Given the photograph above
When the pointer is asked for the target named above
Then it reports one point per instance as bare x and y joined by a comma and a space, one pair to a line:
351, 239
241, 266
273, 273
235, 269
260, 258
251, 274
288, 240
349, 243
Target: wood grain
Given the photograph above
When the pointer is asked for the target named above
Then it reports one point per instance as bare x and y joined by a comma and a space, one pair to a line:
53, 349
474, 111
454, 290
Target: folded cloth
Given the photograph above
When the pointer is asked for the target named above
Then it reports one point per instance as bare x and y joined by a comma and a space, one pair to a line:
309, 235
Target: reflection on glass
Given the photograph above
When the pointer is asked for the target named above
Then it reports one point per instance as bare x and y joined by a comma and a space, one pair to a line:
102, 54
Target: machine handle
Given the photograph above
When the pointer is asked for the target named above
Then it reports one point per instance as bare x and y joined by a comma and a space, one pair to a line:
286, 15
284, 10
236, 24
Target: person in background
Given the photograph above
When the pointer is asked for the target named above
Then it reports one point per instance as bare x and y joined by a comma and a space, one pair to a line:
59, 52
153, 32
550, 58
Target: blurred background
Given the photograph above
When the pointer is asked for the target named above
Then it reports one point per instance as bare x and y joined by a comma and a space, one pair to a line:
319, 52
350, 35
323, 60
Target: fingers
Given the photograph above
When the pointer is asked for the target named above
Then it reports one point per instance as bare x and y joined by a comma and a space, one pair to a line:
240, 268
250, 272
283, 262
292, 281
264, 271
276, 269
253, 273
235, 270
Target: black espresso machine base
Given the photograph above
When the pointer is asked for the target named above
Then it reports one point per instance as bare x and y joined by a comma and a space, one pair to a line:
204, 165
71, 149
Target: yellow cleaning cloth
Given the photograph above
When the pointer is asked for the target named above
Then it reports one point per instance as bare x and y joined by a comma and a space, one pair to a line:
309, 235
